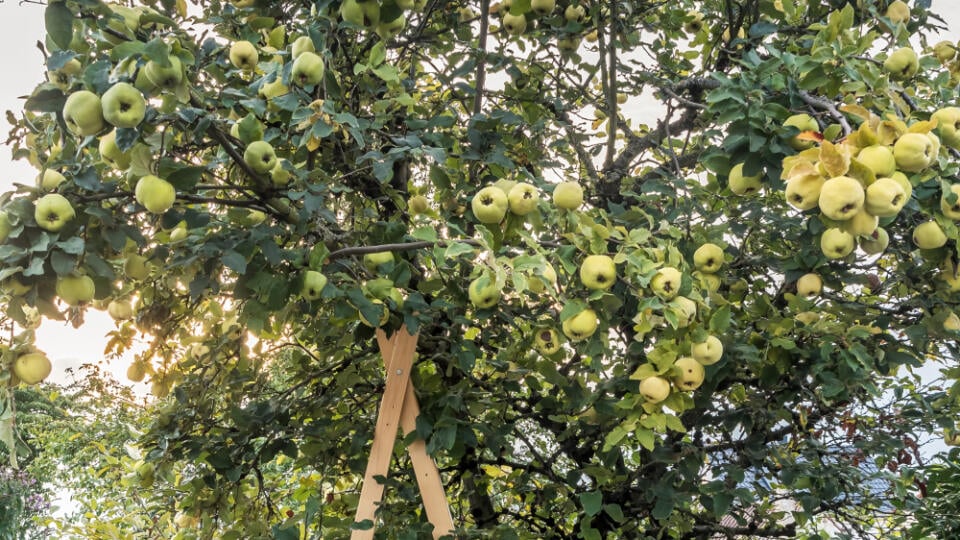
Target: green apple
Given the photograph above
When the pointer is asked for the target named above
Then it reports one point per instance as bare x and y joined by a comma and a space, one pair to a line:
654, 389
308, 69
301, 45
945, 51
879, 159
902, 63
75, 290
244, 55
5, 226
568, 195
111, 154
948, 125
539, 283
252, 129
490, 205
862, 223
685, 309
666, 282
876, 243
50, 179
279, 175
123, 105
483, 293
543, 7
952, 211
61, 77
523, 199
841, 198
371, 13
120, 310
708, 258
598, 272
313, 284
373, 261
914, 152
885, 198
708, 351
155, 194
898, 12
803, 122
388, 30
803, 192
836, 243
741, 184
164, 77
952, 322
688, 373
83, 113
352, 12
694, 24
575, 13
32, 368
53, 211
136, 267
260, 156
929, 235
547, 341
568, 43
809, 285
581, 326
514, 25
505, 185
273, 89
950, 437
709, 282
418, 204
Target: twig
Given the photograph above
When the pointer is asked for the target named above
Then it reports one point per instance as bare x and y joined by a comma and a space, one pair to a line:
826, 105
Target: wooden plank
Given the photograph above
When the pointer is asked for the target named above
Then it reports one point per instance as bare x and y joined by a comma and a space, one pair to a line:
399, 356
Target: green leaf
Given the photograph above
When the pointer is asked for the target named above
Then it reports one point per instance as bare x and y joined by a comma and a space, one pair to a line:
720, 320
592, 502
46, 100
646, 438
458, 248
235, 261
59, 23
613, 510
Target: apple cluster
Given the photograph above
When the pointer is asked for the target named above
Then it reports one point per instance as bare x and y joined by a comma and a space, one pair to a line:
371, 15
515, 20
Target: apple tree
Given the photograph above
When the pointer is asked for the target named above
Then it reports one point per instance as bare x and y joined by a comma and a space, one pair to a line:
677, 269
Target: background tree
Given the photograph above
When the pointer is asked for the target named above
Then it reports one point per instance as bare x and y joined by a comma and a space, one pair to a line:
254, 186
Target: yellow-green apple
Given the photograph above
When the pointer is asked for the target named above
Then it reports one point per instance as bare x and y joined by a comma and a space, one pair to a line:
50, 179
708, 351
581, 326
313, 284
373, 261
83, 113
568, 195
351, 12
945, 51
5, 226
879, 158
75, 290
898, 12
260, 157
111, 154
388, 30
841, 197
483, 292
885, 198
543, 7
904, 183
598, 272
137, 371
384, 314
120, 310
694, 22
301, 45
688, 373
948, 125
155, 194
523, 199
568, 43
123, 105
165, 77
709, 282
61, 77
876, 243
654, 389
53, 211
505, 185
952, 211
902, 63
803, 122
418, 204
575, 13
514, 24
951, 437
836, 243
135, 267
273, 89
539, 283
862, 223
489, 205
666, 282
809, 285
803, 192
308, 68
914, 152
244, 55
371, 13
279, 175
952, 322
685, 309
929, 235
547, 341
741, 184
708, 258
252, 129
32, 368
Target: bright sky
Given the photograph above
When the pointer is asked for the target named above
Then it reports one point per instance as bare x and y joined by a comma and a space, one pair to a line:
21, 27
